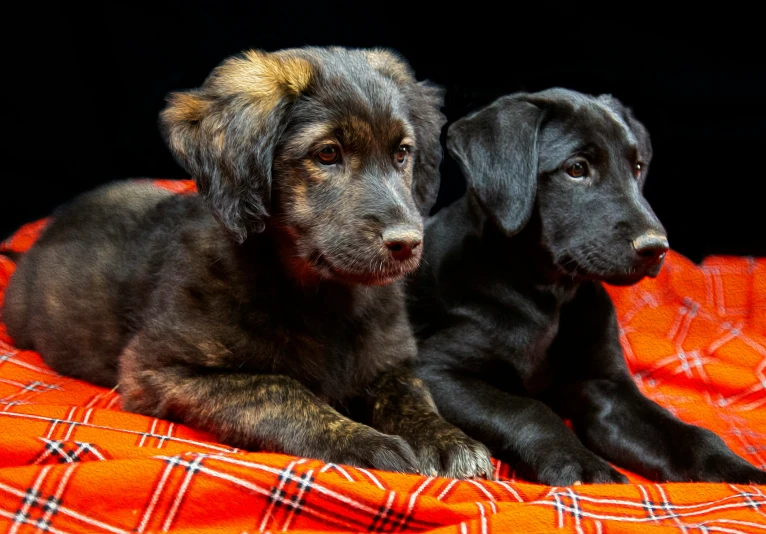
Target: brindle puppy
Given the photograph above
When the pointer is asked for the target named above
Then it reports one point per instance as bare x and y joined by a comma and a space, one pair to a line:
268, 310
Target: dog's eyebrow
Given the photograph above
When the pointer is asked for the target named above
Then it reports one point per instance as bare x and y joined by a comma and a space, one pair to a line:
402, 133
306, 136
633, 153
389, 131
408, 132
570, 143
578, 146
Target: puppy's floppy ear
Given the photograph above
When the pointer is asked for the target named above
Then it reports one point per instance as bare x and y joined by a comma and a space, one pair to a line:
496, 148
424, 101
225, 133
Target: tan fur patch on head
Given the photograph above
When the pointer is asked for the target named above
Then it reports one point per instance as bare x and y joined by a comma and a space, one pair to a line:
180, 116
300, 200
389, 64
185, 107
264, 77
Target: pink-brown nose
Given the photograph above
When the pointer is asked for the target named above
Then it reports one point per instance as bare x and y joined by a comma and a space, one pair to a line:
402, 243
651, 247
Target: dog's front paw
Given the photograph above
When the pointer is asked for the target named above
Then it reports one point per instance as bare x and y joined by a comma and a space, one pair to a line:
444, 450
709, 459
373, 449
731, 469
567, 467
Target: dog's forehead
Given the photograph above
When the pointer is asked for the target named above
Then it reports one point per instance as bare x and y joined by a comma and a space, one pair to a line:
582, 120
351, 102
348, 82
615, 115
366, 109
601, 119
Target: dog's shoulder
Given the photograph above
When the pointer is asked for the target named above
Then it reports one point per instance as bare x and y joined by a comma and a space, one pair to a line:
448, 234
113, 210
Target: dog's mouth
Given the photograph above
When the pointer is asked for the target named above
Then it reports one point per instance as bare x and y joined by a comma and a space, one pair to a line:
614, 279
384, 275
648, 270
612, 276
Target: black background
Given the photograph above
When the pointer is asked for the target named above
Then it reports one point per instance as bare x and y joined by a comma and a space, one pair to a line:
83, 89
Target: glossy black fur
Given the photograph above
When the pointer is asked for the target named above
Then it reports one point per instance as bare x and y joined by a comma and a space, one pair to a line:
515, 329
267, 310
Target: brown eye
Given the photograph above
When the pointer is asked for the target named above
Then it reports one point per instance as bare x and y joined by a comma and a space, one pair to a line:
637, 170
401, 154
578, 169
329, 155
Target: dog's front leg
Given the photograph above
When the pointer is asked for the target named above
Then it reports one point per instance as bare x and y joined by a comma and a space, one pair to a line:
615, 420
259, 412
401, 404
523, 431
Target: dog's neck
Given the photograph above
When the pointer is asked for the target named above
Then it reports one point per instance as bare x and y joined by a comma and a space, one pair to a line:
522, 253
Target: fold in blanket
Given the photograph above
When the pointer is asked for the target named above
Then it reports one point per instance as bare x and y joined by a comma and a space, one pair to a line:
72, 461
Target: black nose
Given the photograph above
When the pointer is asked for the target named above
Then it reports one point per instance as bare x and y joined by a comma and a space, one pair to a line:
651, 246
402, 242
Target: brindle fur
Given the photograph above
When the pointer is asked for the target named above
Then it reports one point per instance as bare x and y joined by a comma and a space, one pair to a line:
267, 309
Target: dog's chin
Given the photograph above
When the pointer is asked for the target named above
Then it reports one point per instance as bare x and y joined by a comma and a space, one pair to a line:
622, 280
627, 277
386, 275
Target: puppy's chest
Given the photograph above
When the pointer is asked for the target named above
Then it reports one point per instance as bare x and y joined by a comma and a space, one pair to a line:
527, 347
531, 362
333, 352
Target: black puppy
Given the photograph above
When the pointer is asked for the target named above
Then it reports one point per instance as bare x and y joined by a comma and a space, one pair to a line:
514, 326
269, 310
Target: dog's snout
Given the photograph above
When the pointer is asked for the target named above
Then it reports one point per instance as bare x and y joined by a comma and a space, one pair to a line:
651, 246
402, 242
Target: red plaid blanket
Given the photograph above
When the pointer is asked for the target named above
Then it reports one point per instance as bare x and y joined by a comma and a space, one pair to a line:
72, 461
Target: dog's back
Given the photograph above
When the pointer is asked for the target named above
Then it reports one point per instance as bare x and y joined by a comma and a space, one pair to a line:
66, 297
